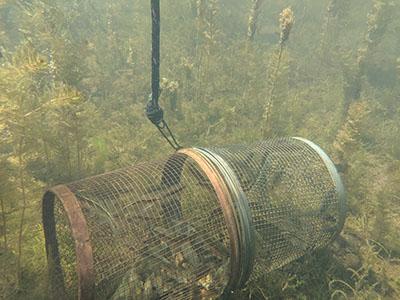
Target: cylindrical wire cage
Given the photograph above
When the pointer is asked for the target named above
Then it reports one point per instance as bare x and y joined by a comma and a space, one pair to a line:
197, 225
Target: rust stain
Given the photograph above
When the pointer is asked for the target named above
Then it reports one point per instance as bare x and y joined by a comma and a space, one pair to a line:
223, 196
80, 234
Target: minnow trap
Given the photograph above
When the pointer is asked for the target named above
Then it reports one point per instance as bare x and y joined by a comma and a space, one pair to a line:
198, 225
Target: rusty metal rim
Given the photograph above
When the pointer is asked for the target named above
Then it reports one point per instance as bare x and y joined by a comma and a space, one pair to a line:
80, 234
242, 215
223, 196
51, 243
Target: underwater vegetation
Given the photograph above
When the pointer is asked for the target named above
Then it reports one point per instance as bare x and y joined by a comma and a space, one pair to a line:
75, 79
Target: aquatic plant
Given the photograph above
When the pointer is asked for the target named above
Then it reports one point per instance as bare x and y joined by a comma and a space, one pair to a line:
211, 30
16, 88
253, 18
81, 69
169, 90
201, 11
378, 20
207, 36
286, 21
332, 26
347, 137
398, 67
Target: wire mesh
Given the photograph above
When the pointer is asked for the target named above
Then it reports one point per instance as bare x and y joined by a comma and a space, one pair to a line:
66, 246
194, 226
295, 198
157, 232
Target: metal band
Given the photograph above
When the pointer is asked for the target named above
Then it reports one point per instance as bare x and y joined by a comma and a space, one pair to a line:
225, 202
80, 234
242, 216
57, 287
336, 180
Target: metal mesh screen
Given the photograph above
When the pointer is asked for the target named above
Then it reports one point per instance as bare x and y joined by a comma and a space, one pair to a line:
66, 246
196, 225
157, 231
295, 198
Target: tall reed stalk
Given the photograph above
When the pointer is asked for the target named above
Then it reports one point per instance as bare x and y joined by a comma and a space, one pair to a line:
253, 19
22, 186
207, 11
286, 21
329, 27
377, 21
4, 222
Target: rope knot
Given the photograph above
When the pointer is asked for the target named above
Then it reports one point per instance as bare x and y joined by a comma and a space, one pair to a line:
154, 113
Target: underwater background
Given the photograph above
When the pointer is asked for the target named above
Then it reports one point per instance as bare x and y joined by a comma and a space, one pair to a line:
75, 80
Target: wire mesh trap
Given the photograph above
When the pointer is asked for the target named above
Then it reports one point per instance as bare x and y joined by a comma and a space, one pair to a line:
197, 225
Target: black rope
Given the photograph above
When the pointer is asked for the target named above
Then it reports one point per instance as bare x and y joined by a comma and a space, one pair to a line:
153, 110
155, 52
